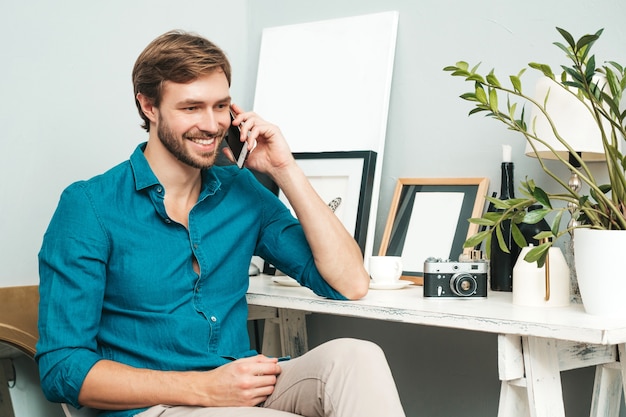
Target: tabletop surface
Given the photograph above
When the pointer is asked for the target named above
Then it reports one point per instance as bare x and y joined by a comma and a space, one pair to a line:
494, 314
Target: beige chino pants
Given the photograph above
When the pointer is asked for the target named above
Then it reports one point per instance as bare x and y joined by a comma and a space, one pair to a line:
340, 378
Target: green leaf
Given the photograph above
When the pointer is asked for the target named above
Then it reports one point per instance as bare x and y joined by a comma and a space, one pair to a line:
469, 97
481, 221
612, 104
476, 77
461, 73
501, 242
462, 65
590, 70
556, 223
538, 254
518, 237
605, 188
512, 109
518, 216
586, 41
501, 205
545, 69
476, 239
568, 51
614, 85
568, 38
582, 201
522, 121
493, 216
477, 110
616, 65
574, 74
535, 216
481, 96
517, 84
544, 235
475, 68
491, 79
542, 197
493, 100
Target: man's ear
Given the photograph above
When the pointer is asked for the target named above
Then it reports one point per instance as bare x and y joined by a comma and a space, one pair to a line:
147, 107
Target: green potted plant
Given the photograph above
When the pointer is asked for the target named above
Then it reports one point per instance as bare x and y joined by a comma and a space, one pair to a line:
599, 88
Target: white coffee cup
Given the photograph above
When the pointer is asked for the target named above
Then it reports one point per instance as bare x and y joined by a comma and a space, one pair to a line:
385, 269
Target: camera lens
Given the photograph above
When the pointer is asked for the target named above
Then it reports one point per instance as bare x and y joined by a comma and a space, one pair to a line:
463, 284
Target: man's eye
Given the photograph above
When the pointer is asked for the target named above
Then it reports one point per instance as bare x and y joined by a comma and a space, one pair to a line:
193, 108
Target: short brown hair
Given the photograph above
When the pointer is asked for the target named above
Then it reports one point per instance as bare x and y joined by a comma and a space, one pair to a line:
175, 56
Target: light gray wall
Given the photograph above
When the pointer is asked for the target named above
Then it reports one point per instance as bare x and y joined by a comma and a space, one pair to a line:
66, 100
67, 113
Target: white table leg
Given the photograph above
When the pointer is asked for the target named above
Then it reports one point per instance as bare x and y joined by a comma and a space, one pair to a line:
621, 349
543, 377
513, 399
284, 332
608, 386
607, 391
293, 334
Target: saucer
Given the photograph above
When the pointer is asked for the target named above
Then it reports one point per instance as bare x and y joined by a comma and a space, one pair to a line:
390, 285
286, 281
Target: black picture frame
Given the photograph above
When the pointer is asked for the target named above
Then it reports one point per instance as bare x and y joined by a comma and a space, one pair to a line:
331, 170
354, 168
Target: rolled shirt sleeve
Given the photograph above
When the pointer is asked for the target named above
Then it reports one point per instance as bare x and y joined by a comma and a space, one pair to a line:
72, 265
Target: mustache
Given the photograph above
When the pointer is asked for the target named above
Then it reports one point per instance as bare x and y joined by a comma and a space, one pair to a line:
202, 134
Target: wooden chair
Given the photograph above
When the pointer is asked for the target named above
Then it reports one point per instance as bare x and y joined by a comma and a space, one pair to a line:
18, 330
18, 318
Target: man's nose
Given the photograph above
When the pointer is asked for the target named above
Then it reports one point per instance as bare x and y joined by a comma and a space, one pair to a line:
208, 122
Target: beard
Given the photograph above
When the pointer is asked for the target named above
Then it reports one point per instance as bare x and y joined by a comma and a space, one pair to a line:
176, 145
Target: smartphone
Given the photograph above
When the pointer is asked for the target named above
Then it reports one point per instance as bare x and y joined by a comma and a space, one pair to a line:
237, 147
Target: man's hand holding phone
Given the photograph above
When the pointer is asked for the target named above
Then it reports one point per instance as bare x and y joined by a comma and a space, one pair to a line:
272, 154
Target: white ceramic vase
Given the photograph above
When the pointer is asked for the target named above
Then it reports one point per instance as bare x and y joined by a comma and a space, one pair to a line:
599, 256
529, 282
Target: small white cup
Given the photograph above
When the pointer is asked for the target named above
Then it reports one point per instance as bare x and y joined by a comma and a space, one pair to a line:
385, 269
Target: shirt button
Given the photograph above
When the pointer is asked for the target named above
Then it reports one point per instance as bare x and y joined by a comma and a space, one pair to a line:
213, 319
168, 221
159, 189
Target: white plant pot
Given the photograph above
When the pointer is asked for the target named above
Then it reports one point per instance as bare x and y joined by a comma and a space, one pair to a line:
600, 258
529, 282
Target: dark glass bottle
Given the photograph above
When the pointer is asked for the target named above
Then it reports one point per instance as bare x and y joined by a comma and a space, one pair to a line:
501, 263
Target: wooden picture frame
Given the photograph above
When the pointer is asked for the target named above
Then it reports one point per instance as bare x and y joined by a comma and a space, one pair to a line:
429, 217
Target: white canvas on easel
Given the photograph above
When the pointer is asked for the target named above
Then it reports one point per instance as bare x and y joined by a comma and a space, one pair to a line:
327, 85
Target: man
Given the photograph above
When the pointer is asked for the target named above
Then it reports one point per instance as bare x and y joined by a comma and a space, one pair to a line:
144, 269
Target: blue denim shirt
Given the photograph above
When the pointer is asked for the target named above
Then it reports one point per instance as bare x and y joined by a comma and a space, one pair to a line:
117, 281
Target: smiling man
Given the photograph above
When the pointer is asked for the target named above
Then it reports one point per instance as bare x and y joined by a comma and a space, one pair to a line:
144, 269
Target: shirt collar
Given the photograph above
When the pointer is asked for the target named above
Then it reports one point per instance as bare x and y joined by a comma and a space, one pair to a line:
145, 178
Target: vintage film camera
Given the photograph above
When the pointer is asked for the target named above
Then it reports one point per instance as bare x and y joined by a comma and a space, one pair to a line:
445, 278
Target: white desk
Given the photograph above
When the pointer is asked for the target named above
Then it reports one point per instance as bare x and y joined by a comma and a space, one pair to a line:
534, 344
